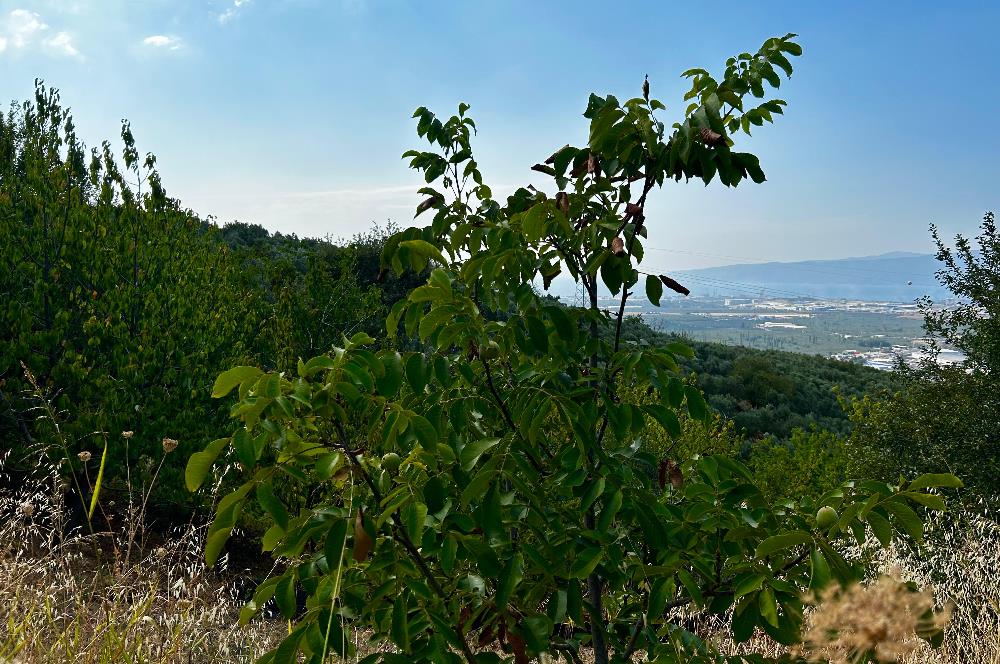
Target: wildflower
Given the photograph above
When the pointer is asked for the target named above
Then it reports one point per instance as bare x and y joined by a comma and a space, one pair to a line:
880, 619
169, 445
27, 509
84, 456
160, 553
127, 434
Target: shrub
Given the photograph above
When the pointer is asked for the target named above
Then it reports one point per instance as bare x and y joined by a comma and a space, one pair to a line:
497, 530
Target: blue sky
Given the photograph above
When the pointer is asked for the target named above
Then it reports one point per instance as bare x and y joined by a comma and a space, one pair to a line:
294, 113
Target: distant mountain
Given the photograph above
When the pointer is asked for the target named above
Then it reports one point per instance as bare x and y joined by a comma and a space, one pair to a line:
898, 276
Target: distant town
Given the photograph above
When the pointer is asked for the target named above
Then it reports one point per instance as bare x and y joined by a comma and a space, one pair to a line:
881, 335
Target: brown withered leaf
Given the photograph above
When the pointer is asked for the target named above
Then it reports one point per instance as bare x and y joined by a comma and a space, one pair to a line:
487, 636
645, 88
633, 210
672, 469
711, 138
362, 540
592, 163
618, 246
676, 476
426, 204
673, 285
463, 618
518, 646
562, 202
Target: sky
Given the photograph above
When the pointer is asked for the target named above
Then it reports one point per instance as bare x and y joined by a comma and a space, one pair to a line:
294, 113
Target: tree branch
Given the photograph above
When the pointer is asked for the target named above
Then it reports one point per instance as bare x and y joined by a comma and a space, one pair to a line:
400, 531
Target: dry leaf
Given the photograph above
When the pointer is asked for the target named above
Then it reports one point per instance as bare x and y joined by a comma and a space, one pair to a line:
562, 202
710, 137
362, 541
673, 285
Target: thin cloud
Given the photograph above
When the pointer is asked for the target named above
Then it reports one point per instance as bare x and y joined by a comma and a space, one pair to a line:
62, 44
163, 41
22, 29
232, 11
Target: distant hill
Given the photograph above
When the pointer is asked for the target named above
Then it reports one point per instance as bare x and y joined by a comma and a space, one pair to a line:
897, 276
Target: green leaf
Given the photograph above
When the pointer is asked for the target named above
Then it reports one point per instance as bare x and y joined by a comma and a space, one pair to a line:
936, 480
424, 251
228, 380
319, 363
512, 574
595, 489
928, 500
585, 562
654, 289
245, 449
284, 596
473, 451
691, 586
214, 544
745, 620
696, 403
819, 574
413, 519
400, 625
768, 606
272, 505
426, 434
335, 543
748, 585
905, 518
609, 511
479, 484
780, 542
200, 463
538, 334
416, 374
880, 526
665, 417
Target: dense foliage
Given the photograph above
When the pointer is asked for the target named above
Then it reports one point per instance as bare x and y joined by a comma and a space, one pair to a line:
126, 306
946, 416
771, 392
494, 489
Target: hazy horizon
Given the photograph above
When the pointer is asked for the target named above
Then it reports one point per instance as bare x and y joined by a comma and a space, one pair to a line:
293, 114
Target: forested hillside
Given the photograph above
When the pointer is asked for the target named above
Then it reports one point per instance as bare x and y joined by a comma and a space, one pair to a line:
435, 453
124, 306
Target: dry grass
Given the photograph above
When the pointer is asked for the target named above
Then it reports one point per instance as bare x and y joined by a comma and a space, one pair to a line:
72, 597
960, 565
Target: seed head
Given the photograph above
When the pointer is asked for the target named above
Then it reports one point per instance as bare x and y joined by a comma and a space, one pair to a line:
879, 619
27, 509
127, 434
84, 456
169, 445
